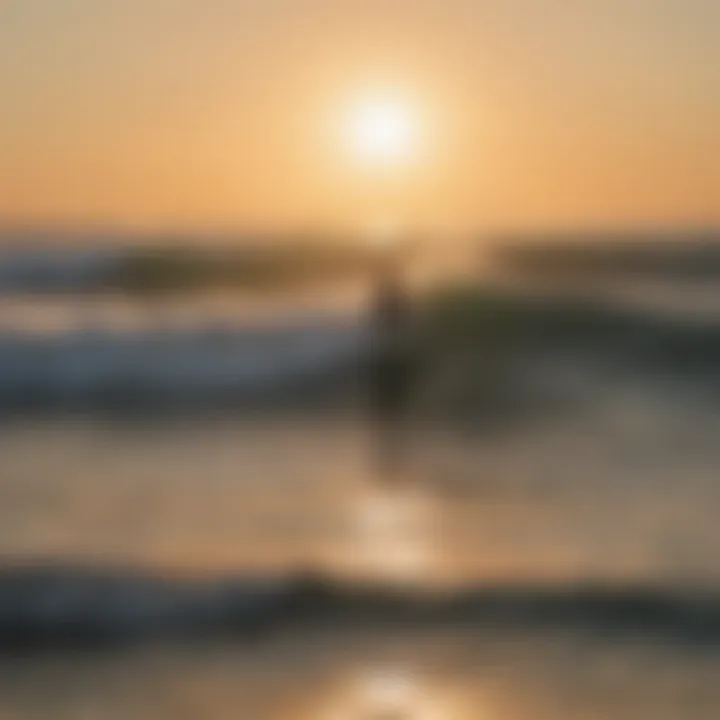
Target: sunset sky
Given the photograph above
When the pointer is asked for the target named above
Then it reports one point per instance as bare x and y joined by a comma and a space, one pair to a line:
229, 113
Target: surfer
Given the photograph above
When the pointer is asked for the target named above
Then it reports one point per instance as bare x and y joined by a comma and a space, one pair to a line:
393, 364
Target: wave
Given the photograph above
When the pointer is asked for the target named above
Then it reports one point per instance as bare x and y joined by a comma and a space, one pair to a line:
55, 607
205, 365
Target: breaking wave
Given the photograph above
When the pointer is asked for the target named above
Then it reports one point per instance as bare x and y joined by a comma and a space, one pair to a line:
51, 607
202, 365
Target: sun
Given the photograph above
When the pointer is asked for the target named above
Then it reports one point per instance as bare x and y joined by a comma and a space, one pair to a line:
382, 130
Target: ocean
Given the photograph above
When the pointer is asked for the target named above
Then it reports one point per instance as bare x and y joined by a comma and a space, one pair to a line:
200, 564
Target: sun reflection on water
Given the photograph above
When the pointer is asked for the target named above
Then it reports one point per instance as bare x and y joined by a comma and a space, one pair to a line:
389, 535
388, 693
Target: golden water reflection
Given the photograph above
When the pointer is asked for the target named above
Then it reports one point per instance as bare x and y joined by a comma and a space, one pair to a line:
387, 533
390, 693
372, 672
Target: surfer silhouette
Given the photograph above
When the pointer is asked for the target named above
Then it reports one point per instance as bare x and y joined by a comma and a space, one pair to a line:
393, 364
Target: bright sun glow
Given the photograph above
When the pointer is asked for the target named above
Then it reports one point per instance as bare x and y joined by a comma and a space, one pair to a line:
382, 130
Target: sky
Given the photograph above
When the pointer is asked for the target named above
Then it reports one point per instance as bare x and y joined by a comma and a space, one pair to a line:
227, 114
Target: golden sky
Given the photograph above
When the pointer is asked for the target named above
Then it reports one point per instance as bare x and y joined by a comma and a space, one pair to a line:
225, 113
